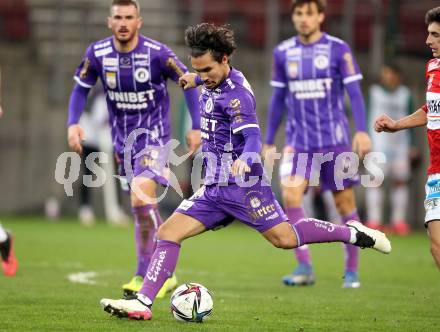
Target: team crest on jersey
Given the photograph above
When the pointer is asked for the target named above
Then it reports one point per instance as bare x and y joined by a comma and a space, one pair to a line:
255, 202
209, 106
321, 62
110, 79
292, 69
141, 75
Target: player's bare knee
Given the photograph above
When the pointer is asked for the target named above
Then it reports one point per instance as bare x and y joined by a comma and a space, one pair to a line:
167, 233
292, 198
284, 242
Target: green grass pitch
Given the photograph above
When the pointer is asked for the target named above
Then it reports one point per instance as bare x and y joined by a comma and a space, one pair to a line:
400, 291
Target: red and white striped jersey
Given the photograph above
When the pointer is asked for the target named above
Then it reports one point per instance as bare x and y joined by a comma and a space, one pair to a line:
432, 110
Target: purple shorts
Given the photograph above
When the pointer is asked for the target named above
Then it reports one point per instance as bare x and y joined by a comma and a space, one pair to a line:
334, 168
217, 206
150, 163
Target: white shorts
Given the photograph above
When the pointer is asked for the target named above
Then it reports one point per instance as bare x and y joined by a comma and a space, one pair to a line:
432, 200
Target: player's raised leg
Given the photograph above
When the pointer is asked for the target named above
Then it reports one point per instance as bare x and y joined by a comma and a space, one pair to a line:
162, 264
309, 230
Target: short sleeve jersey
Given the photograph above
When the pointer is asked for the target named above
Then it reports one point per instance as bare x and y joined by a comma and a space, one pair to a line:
135, 84
315, 76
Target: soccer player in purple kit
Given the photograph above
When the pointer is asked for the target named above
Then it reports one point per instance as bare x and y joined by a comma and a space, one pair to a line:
311, 73
233, 184
134, 70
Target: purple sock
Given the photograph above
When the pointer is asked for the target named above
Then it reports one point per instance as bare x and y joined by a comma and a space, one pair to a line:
146, 222
311, 230
351, 251
161, 267
302, 253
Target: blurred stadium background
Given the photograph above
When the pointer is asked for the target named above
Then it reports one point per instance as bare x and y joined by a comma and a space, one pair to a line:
42, 42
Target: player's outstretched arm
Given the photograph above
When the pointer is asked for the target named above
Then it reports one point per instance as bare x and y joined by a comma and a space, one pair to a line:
1, 111
386, 124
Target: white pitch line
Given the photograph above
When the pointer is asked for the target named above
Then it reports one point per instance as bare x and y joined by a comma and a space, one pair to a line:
83, 277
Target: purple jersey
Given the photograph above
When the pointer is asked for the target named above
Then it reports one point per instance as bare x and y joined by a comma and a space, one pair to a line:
315, 75
135, 85
225, 111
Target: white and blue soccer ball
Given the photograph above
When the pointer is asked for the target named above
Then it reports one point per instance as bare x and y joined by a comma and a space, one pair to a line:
191, 302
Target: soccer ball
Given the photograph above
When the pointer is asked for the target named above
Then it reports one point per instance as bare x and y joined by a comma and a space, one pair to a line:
191, 302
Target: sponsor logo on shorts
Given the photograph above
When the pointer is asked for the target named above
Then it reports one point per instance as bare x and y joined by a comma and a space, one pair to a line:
273, 216
263, 212
185, 205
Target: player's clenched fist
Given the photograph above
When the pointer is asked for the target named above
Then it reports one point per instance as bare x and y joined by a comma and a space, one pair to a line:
385, 123
193, 140
188, 81
240, 167
75, 135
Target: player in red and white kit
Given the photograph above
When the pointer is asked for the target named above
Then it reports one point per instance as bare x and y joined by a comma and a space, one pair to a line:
428, 114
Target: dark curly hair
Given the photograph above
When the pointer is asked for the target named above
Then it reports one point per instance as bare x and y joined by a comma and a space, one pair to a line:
208, 37
432, 16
